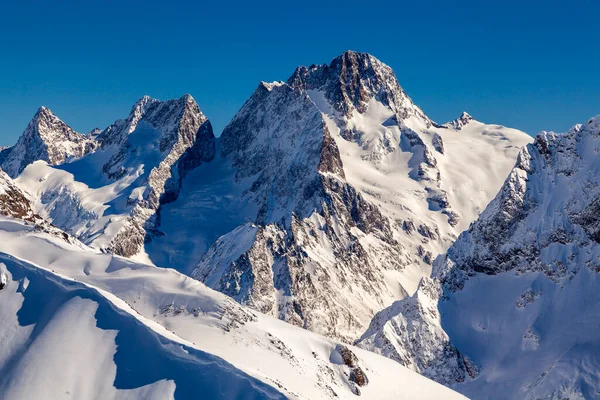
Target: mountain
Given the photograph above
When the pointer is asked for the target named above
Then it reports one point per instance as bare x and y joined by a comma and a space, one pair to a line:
81, 324
110, 198
339, 193
46, 138
516, 295
324, 200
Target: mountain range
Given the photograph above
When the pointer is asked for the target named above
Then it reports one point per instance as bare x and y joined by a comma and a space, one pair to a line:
330, 202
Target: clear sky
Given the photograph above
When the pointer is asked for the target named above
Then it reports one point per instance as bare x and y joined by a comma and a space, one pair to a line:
534, 66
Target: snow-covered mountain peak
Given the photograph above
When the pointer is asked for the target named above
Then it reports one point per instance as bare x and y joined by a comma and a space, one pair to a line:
459, 122
93, 134
363, 200
270, 85
46, 138
140, 164
351, 80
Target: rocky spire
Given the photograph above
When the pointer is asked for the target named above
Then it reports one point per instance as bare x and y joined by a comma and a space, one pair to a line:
352, 79
46, 138
459, 122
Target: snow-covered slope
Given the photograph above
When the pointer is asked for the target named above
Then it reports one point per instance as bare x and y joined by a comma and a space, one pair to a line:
81, 324
109, 199
45, 138
518, 292
334, 194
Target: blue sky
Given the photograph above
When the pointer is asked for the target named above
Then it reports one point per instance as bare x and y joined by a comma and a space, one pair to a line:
532, 67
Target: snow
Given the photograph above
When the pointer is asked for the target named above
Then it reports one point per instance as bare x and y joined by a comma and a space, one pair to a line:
518, 299
486, 326
147, 332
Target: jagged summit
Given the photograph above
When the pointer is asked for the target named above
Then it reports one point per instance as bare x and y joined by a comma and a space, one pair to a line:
46, 138
351, 80
164, 112
459, 122
270, 85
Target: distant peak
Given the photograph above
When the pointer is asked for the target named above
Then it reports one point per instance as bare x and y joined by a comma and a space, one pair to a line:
270, 85
187, 98
94, 132
465, 116
144, 100
43, 111
459, 122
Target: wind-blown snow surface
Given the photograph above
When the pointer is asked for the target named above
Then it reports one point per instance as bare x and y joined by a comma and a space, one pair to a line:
520, 289
80, 324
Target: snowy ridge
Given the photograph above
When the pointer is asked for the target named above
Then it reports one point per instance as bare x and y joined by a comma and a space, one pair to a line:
524, 277
182, 338
46, 138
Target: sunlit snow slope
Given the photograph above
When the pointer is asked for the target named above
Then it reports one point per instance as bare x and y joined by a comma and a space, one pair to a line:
80, 324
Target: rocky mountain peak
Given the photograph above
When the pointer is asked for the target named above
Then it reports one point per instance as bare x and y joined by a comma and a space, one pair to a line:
459, 122
351, 80
169, 138
46, 138
44, 120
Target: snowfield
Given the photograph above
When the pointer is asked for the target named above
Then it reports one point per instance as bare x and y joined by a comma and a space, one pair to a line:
80, 324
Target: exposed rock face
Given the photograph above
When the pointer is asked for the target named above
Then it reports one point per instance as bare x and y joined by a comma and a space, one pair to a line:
295, 253
16, 204
46, 138
506, 237
278, 137
13, 203
522, 277
352, 80
356, 373
184, 140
